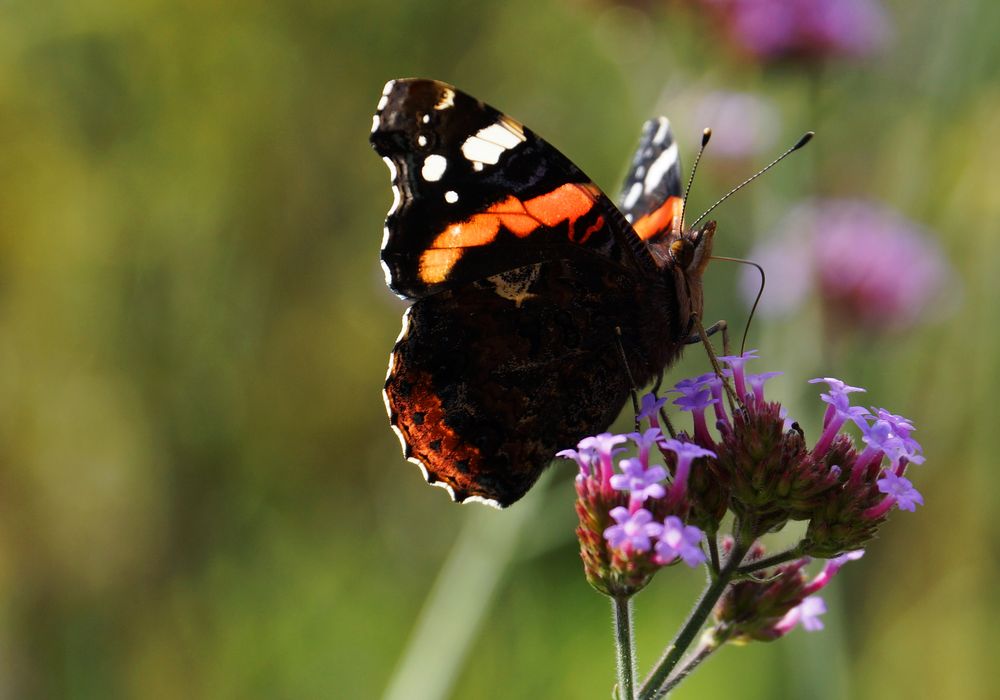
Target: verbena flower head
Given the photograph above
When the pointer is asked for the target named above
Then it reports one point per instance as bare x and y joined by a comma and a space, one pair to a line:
850, 252
765, 472
802, 30
629, 525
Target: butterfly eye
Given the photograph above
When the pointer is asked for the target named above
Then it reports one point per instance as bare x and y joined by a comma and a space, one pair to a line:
682, 251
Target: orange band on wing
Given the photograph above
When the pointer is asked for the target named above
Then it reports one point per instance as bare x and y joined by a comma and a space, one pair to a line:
566, 202
659, 220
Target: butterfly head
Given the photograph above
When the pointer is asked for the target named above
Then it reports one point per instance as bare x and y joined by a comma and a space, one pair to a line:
692, 249
689, 252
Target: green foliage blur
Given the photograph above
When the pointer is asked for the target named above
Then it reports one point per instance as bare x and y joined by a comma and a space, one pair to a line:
200, 496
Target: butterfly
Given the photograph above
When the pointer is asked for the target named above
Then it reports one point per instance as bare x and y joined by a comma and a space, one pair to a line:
538, 304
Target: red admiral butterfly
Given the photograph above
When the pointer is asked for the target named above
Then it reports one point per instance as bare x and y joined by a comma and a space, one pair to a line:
528, 286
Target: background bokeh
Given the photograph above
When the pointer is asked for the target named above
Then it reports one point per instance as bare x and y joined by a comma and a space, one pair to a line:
199, 492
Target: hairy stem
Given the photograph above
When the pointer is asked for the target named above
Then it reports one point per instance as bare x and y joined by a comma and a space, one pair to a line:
693, 625
692, 662
624, 645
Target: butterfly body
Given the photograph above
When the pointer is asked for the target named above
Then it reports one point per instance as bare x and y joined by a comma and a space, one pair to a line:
528, 284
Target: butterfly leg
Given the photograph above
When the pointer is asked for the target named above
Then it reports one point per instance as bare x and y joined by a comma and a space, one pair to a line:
633, 390
702, 336
717, 327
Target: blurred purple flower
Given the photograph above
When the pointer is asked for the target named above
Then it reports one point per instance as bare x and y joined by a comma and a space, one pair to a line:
780, 30
743, 124
807, 612
872, 267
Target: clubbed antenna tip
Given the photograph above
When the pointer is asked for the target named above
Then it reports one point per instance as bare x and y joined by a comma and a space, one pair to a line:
707, 134
806, 138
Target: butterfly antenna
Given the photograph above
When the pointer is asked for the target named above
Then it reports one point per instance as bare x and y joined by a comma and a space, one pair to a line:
705, 136
756, 301
799, 144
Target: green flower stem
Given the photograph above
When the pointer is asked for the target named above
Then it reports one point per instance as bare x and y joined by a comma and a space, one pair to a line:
652, 685
625, 647
708, 645
713, 551
772, 560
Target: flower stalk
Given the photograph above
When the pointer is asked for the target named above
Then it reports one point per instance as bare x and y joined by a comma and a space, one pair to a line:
651, 687
625, 647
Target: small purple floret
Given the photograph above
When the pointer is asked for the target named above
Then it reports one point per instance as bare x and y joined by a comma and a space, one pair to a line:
645, 441
737, 363
650, 407
679, 540
641, 482
695, 400
633, 530
756, 382
902, 427
686, 453
838, 412
900, 489
810, 609
603, 448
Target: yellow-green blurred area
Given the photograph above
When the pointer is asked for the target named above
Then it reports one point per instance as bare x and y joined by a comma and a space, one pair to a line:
200, 496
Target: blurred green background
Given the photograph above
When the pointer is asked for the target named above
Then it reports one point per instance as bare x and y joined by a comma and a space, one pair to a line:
199, 492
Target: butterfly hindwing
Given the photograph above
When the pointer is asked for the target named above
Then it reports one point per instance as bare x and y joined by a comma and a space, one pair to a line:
488, 380
476, 193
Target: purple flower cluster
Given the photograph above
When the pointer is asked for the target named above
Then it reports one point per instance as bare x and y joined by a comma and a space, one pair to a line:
767, 475
783, 30
743, 456
631, 519
870, 266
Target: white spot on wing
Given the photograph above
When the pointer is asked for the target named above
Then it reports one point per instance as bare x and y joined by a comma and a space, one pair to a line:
374, 123
421, 140
487, 144
451, 196
434, 167
633, 195
426, 119
388, 87
660, 167
383, 101
662, 130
